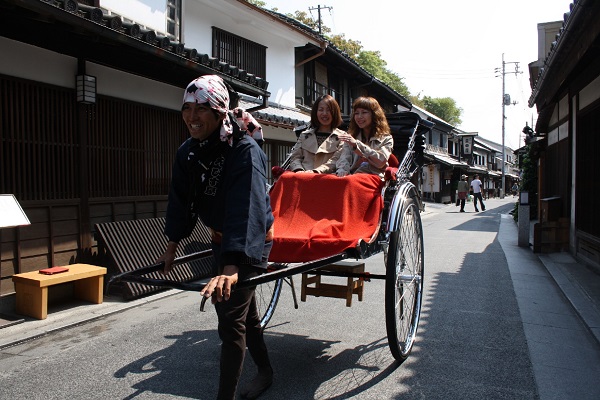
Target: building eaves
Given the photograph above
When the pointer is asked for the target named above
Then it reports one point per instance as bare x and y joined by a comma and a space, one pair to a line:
444, 159
73, 29
401, 100
276, 115
485, 144
580, 24
343, 56
287, 21
478, 170
448, 128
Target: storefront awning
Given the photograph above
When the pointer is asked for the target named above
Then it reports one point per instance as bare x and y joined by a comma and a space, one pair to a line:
445, 159
477, 170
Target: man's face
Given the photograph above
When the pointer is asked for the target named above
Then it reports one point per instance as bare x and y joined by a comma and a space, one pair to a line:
200, 120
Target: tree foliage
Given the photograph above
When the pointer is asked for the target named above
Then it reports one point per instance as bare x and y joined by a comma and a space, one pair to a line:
371, 61
529, 182
351, 47
303, 17
260, 3
445, 108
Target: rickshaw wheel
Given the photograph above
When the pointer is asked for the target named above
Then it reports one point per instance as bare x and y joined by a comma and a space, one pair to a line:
404, 280
267, 295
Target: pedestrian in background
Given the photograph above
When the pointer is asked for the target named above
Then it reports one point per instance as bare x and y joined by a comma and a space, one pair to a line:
476, 185
463, 192
219, 176
515, 189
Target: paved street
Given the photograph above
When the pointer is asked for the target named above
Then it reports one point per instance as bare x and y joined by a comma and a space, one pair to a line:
493, 327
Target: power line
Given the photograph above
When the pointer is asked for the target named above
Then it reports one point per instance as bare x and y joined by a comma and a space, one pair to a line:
448, 77
446, 70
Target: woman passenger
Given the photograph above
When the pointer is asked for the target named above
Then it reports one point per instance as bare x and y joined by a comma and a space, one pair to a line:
319, 143
368, 143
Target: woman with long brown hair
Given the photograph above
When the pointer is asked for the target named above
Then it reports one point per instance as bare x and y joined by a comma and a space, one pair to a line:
369, 142
319, 143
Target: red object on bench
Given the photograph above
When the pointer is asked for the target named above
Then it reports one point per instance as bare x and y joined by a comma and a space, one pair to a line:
53, 270
318, 216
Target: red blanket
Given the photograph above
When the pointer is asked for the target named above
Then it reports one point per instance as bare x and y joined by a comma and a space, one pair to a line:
317, 216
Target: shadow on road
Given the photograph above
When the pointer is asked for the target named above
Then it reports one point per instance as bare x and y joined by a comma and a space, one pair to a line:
190, 367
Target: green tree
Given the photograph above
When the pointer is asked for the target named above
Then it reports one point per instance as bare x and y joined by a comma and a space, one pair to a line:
529, 182
445, 108
417, 100
303, 17
351, 47
372, 62
259, 3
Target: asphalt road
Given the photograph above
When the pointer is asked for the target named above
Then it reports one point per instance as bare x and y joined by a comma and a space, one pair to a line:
470, 345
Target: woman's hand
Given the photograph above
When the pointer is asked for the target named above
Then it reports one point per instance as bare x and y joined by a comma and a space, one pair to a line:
219, 287
345, 137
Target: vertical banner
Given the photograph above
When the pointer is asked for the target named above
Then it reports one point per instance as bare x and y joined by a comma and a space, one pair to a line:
431, 177
468, 145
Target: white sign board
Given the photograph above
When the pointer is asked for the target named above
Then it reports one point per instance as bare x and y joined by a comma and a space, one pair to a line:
467, 145
11, 213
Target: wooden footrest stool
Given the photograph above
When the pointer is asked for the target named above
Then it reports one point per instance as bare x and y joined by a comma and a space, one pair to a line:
320, 289
32, 288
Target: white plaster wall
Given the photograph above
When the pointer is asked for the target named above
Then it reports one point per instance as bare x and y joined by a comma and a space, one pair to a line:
589, 94
563, 108
553, 136
554, 116
563, 131
278, 133
199, 16
150, 13
24, 61
546, 35
114, 83
431, 178
60, 70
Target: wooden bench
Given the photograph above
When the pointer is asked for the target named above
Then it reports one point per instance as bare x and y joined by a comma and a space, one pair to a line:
320, 289
32, 288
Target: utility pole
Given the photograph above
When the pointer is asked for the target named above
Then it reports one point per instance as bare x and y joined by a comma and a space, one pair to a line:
505, 102
318, 8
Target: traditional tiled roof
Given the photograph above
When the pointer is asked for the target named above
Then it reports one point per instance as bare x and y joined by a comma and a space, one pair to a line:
277, 115
340, 53
444, 158
95, 31
490, 145
576, 22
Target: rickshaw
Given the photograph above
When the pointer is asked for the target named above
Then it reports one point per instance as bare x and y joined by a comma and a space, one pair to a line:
393, 226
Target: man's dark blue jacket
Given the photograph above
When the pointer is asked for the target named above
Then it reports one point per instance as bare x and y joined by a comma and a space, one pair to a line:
227, 189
